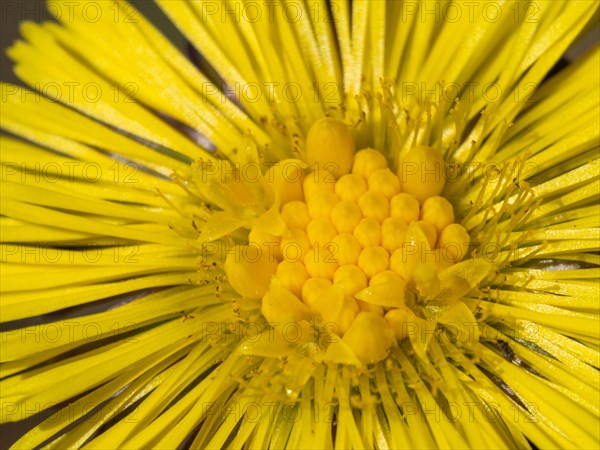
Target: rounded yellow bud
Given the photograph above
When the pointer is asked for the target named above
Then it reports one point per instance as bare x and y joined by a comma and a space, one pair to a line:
320, 263
437, 211
346, 249
313, 289
422, 173
368, 161
350, 187
345, 216
317, 182
373, 260
405, 207
374, 205
350, 278
292, 276
293, 248
249, 271
330, 146
368, 233
454, 242
385, 182
370, 337
429, 231
321, 232
295, 215
320, 205
393, 232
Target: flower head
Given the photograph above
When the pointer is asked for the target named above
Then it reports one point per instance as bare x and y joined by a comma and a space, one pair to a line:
353, 225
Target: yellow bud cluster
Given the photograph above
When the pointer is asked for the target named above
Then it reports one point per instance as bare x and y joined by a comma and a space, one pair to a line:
356, 233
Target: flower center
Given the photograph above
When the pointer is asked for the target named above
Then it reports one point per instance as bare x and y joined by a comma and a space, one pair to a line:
357, 236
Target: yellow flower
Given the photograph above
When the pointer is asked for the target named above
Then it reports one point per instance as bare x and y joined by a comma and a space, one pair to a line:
366, 224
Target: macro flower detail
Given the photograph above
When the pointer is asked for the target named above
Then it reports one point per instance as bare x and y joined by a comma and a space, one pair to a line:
353, 253
341, 224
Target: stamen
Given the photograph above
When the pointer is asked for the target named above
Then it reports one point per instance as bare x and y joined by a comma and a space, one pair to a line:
438, 212
351, 279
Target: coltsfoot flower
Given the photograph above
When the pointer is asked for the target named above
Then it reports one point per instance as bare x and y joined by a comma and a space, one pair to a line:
362, 224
